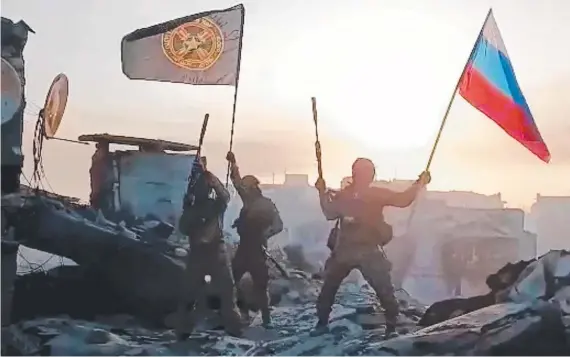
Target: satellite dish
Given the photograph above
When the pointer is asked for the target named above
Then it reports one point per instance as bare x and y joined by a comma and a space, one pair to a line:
11, 91
54, 105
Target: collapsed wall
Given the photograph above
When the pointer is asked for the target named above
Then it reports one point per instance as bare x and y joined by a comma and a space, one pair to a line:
449, 251
14, 38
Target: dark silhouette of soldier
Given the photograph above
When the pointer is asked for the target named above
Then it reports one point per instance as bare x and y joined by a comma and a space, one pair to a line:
258, 221
204, 207
361, 230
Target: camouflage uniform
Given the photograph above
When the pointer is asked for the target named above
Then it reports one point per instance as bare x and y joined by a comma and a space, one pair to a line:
258, 220
375, 269
362, 230
208, 256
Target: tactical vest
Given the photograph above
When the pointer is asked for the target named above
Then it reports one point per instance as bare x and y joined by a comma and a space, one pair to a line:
253, 220
362, 223
201, 221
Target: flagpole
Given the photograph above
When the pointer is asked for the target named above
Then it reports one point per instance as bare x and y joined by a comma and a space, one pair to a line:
235, 93
444, 120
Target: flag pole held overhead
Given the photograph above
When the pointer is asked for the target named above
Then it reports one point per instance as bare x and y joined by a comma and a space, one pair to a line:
448, 109
199, 49
317, 141
235, 95
488, 83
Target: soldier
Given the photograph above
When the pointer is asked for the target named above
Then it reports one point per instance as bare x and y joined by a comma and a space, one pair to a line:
362, 229
202, 222
258, 221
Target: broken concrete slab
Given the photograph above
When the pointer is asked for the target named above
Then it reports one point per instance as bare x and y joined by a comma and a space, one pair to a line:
503, 329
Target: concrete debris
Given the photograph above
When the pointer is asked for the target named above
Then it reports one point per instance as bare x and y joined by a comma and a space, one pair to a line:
356, 328
503, 329
123, 304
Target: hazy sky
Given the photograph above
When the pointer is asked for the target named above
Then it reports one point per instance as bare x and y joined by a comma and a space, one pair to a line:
382, 72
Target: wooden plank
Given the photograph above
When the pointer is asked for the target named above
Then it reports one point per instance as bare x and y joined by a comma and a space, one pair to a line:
135, 141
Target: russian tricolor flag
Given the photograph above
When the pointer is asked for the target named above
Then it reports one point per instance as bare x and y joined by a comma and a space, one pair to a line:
489, 84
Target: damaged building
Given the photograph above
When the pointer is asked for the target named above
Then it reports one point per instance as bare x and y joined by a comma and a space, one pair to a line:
120, 297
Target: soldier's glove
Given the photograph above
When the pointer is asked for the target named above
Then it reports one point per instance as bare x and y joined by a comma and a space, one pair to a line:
424, 179
198, 166
231, 157
321, 185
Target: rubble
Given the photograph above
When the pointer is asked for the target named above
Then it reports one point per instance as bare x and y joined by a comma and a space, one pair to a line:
502, 329
497, 283
357, 324
292, 326
86, 308
14, 39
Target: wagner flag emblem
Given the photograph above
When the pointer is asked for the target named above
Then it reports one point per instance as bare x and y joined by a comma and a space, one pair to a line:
203, 48
489, 84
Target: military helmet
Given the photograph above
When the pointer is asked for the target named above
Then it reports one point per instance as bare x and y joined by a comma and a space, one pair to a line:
250, 181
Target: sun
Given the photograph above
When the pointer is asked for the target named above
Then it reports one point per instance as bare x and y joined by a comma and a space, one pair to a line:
380, 121
381, 86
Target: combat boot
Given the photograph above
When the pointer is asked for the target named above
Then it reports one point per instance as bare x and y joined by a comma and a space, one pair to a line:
233, 330
321, 327
266, 318
390, 330
184, 323
244, 312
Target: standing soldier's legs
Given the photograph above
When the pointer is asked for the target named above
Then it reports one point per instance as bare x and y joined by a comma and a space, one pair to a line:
260, 276
222, 276
189, 292
335, 273
375, 269
239, 268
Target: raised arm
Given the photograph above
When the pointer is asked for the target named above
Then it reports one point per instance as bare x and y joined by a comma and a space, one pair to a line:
403, 199
235, 175
222, 194
326, 200
400, 199
328, 206
236, 180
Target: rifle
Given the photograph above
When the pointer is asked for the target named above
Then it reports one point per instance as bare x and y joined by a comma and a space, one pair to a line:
196, 171
279, 267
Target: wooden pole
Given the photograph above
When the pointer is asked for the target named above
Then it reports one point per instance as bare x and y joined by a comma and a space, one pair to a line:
235, 96
66, 140
317, 142
447, 110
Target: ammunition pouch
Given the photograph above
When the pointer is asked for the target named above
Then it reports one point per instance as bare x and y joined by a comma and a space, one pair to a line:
385, 233
195, 215
381, 234
334, 236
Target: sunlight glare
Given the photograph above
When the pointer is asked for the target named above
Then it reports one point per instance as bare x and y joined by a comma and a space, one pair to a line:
370, 76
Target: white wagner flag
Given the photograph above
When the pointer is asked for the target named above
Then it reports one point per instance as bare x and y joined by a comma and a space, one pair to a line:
202, 48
